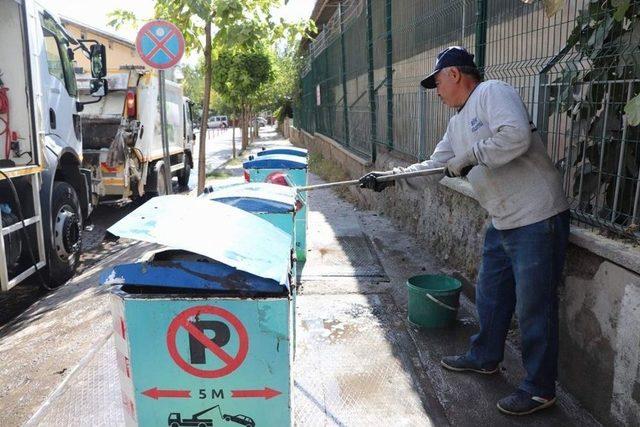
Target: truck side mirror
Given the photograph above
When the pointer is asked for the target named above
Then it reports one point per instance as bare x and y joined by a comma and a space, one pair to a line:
98, 57
98, 87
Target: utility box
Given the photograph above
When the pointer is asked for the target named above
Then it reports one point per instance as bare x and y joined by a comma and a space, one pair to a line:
203, 328
295, 168
290, 151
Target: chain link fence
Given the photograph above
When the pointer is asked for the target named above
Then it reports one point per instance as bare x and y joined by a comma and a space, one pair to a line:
576, 70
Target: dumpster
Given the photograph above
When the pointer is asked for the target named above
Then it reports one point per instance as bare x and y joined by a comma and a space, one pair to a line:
203, 327
291, 151
259, 169
269, 168
274, 203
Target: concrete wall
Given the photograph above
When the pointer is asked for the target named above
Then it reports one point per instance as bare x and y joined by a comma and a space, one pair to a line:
600, 297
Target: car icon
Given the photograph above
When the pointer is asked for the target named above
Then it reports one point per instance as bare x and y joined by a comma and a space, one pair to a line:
240, 419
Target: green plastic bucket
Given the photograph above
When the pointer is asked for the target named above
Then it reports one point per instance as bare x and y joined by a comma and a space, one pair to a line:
433, 300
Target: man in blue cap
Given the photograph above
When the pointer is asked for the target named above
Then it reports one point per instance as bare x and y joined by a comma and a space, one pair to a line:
492, 142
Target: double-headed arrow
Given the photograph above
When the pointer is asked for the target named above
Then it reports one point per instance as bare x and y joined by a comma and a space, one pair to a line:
266, 393
156, 394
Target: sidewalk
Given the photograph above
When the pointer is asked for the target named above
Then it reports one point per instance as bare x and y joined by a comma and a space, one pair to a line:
358, 363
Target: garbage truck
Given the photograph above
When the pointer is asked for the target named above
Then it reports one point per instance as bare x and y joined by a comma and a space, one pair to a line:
44, 190
122, 136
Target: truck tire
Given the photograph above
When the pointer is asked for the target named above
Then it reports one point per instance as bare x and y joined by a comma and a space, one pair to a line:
183, 175
64, 254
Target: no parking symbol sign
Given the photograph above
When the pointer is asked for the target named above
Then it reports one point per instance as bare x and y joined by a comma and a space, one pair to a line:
214, 360
160, 44
194, 322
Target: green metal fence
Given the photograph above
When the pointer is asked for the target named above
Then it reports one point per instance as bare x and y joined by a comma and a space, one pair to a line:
576, 70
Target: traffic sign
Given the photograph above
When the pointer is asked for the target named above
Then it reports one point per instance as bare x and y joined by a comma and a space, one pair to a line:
160, 44
199, 341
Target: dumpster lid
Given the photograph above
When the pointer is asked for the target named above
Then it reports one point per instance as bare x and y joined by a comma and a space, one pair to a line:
257, 197
185, 271
276, 161
218, 231
291, 151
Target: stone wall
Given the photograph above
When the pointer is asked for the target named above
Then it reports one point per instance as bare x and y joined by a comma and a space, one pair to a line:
599, 299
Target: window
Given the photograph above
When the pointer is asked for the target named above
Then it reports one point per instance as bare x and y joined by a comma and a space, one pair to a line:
58, 61
54, 62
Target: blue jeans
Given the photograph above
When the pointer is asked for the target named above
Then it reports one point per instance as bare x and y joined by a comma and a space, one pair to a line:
521, 269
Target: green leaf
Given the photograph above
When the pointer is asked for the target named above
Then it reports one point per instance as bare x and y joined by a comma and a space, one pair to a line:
621, 8
632, 110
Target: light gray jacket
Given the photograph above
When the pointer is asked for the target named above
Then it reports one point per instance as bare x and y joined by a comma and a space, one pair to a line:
515, 180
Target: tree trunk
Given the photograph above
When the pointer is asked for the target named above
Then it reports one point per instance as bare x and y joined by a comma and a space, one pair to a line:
233, 136
202, 152
245, 129
252, 123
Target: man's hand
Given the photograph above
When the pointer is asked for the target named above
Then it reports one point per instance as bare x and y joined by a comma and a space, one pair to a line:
459, 166
371, 182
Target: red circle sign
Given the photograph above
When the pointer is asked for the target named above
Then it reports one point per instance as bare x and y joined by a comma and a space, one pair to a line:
231, 362
160, 44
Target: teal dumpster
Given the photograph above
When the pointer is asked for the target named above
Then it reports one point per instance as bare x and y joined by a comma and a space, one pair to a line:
260, 168
270, 168
203, 326
274, 203
291, 151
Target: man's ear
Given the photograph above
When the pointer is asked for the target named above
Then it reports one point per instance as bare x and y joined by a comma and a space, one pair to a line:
455, 74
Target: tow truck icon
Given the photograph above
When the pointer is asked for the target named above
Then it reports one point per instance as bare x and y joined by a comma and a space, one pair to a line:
176, 420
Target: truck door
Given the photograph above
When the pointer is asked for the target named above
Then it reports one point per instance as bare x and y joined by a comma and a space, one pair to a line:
61, 119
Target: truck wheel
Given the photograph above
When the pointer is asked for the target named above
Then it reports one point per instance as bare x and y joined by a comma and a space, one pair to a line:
67, 233
183, 175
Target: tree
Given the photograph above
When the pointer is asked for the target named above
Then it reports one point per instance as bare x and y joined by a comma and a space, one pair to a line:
229, 26
239, 76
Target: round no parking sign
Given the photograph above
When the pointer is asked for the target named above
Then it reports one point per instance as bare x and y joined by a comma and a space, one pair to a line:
160, 44
224, 324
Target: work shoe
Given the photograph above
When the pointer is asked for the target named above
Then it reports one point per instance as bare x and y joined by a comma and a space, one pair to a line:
522, 403
462, 363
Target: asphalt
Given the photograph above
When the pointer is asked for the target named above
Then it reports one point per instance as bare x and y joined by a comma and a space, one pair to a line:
358, 361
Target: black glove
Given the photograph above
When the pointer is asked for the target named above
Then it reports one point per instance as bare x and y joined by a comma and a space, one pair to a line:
370, 181
459, 166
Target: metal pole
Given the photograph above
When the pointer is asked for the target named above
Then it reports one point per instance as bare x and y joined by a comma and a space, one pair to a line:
372, 92
344, 75
481, 33
422, 122
389, 69
163, 126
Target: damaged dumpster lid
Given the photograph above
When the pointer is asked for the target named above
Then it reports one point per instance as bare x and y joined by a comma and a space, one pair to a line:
257, 197
180, 270
276, 161
212, 229
292, 151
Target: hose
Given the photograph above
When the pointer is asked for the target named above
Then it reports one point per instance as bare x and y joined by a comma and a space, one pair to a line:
4, 109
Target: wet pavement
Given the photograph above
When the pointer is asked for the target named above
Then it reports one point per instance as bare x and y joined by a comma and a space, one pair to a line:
358, 362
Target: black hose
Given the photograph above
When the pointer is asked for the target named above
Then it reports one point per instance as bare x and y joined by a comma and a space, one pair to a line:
16, 199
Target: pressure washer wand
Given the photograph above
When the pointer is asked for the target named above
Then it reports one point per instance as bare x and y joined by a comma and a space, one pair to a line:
384, 178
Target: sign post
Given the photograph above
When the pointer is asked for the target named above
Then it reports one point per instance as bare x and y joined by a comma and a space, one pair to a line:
160, 45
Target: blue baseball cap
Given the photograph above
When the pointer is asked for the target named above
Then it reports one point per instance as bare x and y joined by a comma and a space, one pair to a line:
453, 56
